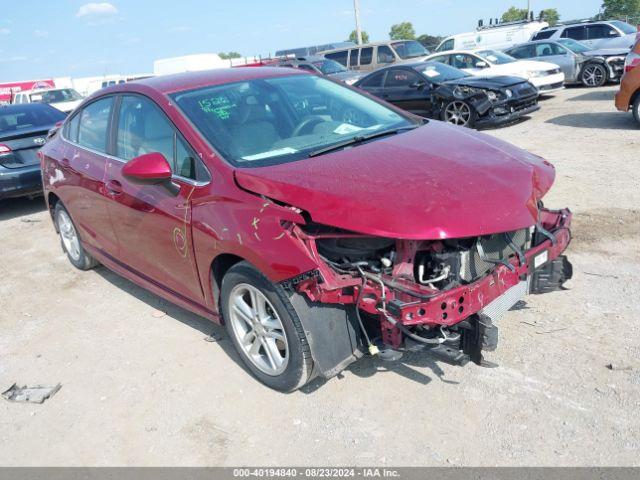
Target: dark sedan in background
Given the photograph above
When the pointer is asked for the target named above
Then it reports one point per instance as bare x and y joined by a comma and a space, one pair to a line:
23, 130
436, 90
580, 64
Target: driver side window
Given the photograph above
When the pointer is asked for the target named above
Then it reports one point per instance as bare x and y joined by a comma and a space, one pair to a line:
143, 128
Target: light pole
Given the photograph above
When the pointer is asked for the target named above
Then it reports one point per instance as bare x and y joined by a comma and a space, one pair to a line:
356, 8
528, 9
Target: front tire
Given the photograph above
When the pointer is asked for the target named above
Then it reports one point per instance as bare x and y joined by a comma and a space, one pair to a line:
635, 108
593, 75
70, 240
460, 113
265, 329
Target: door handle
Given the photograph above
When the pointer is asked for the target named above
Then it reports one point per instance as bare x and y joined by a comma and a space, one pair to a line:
114, 187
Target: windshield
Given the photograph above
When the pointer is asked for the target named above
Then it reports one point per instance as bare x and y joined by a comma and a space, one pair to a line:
409, 49
575, 47
495, 57
439, 72
26, 117
282, 119
56, 96
624, 26
329, 67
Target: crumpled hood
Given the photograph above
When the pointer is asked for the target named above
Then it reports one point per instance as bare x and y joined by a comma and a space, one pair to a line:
497, 82
437, 181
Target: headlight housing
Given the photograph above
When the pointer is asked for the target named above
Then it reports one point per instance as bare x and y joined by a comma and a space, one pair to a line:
462, 91
536, 73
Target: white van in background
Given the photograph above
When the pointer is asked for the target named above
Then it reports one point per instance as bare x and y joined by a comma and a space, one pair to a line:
495, 36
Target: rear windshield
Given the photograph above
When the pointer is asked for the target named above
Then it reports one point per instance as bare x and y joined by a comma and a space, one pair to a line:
27, 117
328, 67
409, 49
439, 72
496, 57
56, 96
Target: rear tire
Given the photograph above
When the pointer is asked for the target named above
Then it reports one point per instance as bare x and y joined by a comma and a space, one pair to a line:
265, 329
593, 75
636, 109
70, 240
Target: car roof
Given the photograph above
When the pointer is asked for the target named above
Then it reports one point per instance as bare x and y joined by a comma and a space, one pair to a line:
40, 90
370, 44
191, 80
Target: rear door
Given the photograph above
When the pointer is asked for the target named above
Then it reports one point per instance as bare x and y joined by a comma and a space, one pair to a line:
153, 225
80, 180
407, 89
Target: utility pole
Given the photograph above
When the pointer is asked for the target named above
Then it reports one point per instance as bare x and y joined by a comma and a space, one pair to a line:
528, 9
356, 8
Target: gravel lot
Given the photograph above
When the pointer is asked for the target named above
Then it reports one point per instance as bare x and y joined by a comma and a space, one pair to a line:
143, 388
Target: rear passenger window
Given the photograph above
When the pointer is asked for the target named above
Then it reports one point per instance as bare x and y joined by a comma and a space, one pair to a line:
441, 59
340, 57
366, 55
520, 52
144, 128
576, 33
548, 50
374, 80
401, 78
353, 58
94, 124
385, 55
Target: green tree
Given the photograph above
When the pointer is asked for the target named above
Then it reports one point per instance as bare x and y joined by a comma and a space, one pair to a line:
621, 9
549, 15
353, 37
402, 31
430, 41
514, 14
227, 56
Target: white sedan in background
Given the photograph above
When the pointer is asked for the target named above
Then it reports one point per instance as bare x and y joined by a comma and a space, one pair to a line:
64, 99
547, 77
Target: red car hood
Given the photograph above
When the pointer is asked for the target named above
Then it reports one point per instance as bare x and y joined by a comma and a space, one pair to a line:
437, 181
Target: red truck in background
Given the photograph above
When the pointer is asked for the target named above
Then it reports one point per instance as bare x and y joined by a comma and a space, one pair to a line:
8, 89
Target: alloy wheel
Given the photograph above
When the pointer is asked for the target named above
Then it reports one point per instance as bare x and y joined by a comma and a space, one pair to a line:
69, 235
594, 75
457, 113
258, 329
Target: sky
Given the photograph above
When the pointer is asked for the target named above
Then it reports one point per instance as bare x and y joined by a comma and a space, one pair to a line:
42, 39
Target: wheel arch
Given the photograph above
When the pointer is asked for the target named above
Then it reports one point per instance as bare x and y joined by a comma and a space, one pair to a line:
52, 200
220, 265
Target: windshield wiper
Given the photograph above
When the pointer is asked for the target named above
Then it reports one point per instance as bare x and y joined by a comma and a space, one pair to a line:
360, 139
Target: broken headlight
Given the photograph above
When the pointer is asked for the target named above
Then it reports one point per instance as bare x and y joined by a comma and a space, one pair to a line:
462, 91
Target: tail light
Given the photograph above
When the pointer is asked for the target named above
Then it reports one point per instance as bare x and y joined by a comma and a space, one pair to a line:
632, 61
4, 150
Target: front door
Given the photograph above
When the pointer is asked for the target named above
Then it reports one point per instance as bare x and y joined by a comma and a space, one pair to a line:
408, 90
153, 225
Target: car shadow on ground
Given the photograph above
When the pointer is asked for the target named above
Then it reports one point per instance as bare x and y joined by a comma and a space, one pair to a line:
19, 207
212, 332
596, 120
595, 95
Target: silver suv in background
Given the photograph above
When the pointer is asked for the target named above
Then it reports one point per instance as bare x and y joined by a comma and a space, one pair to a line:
595, 35
371, 56
580, 64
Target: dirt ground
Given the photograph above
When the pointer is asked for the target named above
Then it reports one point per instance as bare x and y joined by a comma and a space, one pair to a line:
142, 388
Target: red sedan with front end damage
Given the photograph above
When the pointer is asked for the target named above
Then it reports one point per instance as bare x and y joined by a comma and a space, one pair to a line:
316, 222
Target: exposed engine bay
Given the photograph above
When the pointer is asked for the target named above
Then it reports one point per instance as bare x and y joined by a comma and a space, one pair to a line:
446, 294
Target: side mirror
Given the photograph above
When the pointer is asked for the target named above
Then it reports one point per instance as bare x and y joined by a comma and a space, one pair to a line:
613, 33
150, 169
419, 85
482, 64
